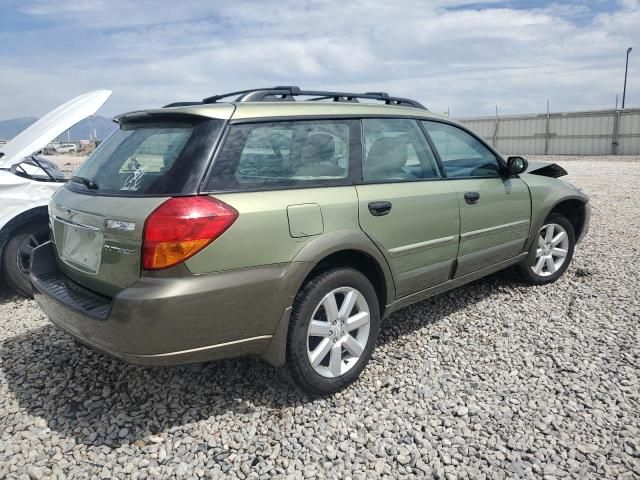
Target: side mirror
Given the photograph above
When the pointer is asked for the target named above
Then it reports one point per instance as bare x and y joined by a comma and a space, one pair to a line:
516, 165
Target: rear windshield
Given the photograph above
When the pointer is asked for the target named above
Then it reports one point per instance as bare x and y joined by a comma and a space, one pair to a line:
149, 158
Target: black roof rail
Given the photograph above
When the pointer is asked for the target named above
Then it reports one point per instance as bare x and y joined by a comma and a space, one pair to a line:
246, 95
288, 92
182, 104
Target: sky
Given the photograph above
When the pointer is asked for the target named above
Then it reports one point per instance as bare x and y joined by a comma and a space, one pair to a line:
462, 56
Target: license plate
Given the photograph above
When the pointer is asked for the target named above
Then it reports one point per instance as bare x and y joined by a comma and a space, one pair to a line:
82, 248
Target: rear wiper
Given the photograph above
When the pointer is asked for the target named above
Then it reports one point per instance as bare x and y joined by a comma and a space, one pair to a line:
90, 184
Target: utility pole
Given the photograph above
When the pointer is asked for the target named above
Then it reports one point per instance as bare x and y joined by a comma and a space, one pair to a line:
626, 69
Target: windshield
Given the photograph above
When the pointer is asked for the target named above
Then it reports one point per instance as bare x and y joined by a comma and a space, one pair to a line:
160, 157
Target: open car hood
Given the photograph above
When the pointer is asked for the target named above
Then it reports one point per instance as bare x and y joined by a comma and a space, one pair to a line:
53, 124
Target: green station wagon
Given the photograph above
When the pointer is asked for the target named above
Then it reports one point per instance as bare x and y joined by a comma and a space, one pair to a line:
286, 224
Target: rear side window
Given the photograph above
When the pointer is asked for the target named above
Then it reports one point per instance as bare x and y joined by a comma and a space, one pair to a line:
149, 158
286, 154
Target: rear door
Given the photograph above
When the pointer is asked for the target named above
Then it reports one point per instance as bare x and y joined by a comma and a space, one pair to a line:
405, 207
495, 212
291, 182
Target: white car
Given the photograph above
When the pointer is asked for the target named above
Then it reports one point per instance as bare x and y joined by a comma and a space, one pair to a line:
65, 148
26, 185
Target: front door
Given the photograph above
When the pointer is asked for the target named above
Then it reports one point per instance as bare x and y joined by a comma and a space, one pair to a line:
404, 205
495, 212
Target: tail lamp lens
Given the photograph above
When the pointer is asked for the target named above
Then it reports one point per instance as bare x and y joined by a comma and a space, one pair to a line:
181, 227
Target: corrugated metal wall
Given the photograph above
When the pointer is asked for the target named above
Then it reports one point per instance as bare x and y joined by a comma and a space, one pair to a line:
602, 132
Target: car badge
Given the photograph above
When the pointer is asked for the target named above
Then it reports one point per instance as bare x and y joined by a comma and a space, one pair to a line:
120, 225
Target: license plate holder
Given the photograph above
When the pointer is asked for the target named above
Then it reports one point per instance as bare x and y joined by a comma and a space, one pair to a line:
82, 248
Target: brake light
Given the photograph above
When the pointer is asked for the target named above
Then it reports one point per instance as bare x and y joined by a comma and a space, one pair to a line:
181, 227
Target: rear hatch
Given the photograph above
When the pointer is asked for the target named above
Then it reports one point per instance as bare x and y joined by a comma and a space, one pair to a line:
98, 217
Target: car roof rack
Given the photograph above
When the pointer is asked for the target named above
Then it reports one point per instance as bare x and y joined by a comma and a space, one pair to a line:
288, 94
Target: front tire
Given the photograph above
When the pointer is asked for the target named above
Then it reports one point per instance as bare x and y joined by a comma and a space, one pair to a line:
554, 248
333, 330
16, 256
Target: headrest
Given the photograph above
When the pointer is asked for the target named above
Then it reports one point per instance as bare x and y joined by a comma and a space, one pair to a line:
387, 153
318, 147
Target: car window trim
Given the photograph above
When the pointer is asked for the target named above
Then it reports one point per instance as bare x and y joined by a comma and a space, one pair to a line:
358, 180
222, 137
361, 116
434, 150
354, 165
418, 117
331, 116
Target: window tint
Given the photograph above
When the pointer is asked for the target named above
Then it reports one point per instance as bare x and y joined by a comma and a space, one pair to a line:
396, 150
462, 154
157, 151
298, 153
145, 158
140, 155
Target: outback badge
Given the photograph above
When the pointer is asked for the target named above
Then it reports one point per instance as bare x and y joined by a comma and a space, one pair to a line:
120, 250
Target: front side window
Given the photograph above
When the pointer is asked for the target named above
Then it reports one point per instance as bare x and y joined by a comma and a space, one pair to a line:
396, 150
281, 154
462, 154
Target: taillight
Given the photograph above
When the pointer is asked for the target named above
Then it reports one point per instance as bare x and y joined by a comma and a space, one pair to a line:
181, 227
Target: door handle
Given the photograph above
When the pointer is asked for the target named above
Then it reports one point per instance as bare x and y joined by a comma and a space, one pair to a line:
378, 209
471, 197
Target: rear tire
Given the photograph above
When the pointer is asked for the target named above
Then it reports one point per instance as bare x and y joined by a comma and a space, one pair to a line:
554, 245
333, 330
16, 255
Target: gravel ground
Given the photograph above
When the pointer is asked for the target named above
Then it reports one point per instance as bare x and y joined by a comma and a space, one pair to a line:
67, 163
492, 380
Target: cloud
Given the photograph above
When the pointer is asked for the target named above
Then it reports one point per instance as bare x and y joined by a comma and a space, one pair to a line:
448, 54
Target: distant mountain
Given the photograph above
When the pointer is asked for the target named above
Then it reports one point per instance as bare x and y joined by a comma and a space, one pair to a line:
10, 128
101, 127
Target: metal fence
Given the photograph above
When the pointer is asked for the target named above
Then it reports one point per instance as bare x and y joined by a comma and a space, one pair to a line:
601, 132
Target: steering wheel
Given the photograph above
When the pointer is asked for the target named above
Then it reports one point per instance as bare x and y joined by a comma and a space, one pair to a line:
477, 172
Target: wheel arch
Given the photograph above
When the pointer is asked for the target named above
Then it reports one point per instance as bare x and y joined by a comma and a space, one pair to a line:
360, 261
353, 249
344, 248
574, 208
575, 211
23, 218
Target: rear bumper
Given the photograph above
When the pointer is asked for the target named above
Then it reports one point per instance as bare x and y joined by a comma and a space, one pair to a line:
167, 321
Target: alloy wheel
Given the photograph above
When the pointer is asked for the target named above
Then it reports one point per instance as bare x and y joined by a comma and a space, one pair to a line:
552, 250
25, 250
338, 332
